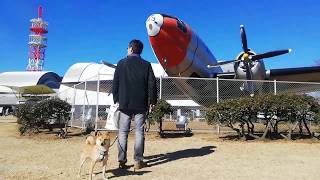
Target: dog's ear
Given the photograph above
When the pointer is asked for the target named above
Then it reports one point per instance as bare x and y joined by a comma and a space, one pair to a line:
99, 133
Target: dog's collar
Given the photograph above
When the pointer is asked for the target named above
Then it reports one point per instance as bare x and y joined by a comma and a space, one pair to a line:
102, 152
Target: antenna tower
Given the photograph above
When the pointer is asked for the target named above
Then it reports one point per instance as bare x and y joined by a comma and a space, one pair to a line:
37, 42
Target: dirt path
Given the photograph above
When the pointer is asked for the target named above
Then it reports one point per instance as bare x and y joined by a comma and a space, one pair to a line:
201, 156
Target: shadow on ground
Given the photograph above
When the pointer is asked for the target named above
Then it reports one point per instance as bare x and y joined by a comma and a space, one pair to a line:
269, 137
186, 153
125, 172
175, 134
160, 159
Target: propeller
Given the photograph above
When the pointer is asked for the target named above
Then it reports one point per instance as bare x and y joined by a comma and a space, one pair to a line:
244, 39
223, 63
269, 54
108, 64
248, 57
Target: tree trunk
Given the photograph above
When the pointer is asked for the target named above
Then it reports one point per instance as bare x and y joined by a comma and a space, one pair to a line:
291, 129
160, 126
266, 130
235, 129
66, 129
306, 125
248, 126
275, 128
300, 127
242, 129
252, 127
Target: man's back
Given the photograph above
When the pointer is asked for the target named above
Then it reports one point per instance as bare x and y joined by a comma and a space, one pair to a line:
134, 84
134, 87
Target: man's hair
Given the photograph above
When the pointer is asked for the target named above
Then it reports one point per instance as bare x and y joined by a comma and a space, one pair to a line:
137, 46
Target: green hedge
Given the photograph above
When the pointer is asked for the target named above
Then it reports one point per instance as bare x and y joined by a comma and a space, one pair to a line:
239, 114
46, 114
159, 110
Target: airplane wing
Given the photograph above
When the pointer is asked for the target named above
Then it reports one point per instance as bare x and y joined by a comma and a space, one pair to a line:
226, 75
301, 74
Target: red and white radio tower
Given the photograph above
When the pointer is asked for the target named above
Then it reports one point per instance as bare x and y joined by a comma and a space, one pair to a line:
37, 42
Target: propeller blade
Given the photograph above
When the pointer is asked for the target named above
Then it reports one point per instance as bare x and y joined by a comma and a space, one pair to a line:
243, 39
269, 54
108, 64
222, 63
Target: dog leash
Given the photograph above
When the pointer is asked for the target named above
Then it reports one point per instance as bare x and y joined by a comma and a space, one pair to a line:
147, 121
118, 137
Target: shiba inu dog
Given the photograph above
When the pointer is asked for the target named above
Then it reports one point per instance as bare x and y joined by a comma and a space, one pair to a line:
96, 149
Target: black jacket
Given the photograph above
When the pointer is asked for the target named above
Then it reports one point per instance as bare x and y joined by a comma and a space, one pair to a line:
134, 84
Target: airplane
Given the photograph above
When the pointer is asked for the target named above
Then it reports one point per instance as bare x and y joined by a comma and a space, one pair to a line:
182, 53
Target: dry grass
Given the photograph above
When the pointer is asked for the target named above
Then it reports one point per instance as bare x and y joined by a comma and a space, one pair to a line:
202, 156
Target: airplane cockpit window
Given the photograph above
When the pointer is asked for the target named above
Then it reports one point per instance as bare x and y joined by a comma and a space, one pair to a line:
181, 26
166, 15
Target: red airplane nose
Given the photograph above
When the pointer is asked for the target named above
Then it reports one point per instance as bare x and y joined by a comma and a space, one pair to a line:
169, 38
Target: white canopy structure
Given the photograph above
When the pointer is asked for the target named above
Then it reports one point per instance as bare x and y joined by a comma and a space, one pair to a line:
79, 84
15, 84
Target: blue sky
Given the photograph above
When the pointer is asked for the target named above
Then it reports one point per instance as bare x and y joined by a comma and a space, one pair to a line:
89, 31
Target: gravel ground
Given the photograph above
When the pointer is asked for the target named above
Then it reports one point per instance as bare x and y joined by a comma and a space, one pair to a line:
202, 156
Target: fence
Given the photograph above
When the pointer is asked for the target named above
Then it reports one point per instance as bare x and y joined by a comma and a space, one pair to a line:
189, 97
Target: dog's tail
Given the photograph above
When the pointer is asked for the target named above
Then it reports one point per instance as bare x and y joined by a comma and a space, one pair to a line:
90, 140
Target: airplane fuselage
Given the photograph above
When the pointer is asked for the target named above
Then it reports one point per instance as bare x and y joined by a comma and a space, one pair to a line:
179, 50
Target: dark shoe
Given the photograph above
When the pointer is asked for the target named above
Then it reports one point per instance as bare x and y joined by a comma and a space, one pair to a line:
139, 165
122, 165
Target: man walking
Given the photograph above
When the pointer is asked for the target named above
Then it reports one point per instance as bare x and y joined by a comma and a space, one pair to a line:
134, 88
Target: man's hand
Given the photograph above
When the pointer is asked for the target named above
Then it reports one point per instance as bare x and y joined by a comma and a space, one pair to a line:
151, 107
